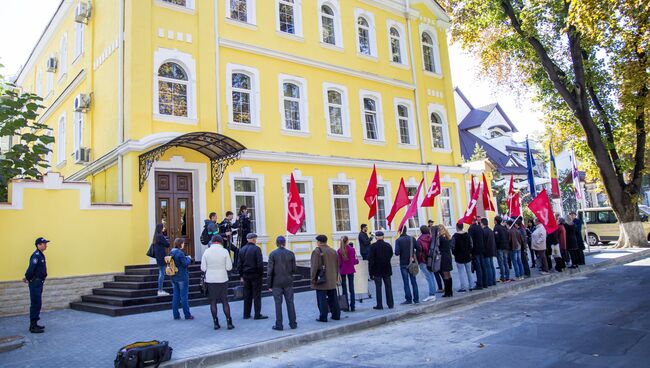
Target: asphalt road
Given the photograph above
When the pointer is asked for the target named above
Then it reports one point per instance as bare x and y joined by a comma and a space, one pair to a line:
599, 320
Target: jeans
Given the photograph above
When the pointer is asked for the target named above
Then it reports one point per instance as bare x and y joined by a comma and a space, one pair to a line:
465, 275
389, 291
524, 260
502, 258
328, 302
287, 293
179, 297
428, 275
36, 300
161, 277
481, 282
516, 263
406, 276
488, 268
252, 295
438, 279
350, 283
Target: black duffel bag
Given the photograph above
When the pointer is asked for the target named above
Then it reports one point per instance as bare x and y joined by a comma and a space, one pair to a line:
142, 354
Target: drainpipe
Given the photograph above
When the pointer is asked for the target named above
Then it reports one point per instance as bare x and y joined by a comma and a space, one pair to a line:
407, 8
120, 103
217, 63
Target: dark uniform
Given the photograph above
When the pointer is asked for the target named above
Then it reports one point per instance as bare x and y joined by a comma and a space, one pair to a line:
35, 275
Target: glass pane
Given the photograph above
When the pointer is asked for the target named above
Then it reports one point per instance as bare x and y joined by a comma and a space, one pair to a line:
301, 187
364, 41
342, 214
163, 210
336, 120
369, 104
326, 10
182, 216
329, 35
436, 133
334, 97
238, 10
241, 81
245, 186
362, 22
404, 131
428, 58
286, 17
341, 189
292, 115
371, 126
241, 107
291, 90
172, 70
249, 202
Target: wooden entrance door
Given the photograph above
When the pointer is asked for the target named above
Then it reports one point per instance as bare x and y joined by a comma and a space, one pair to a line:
174, 207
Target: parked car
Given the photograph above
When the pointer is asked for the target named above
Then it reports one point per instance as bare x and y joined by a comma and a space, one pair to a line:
602, 225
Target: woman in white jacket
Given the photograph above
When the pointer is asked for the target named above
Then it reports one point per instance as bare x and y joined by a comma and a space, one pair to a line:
216, 263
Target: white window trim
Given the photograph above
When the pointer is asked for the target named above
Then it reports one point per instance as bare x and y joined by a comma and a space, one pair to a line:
39, 83
297, 19
251, 13
388, 204
303, 103
424, 28
186, 61
457, 209
422, 216
402, 43
440, 110
338, 36
254, 74
310, 224
63, 56
247, 174
381, 137
345, 113
61, 140
77, 131
342, 179
370, 17
49, 83
189, 7
453, 215
411, 122
78, 41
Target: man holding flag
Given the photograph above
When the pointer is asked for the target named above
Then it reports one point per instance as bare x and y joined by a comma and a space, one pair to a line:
407, 249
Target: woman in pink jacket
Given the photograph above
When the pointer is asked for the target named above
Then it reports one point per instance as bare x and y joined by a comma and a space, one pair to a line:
347, 260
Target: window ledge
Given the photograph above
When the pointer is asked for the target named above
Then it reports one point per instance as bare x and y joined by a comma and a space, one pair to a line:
407, 146
432, 74
339, 138
239, 23
62, 77
175, 119
77, 57
367, 57
61, 164
332, 47
302, 237
179, 8
241, 126
399, 65
375, 142
442, 150
295, 133
290, 36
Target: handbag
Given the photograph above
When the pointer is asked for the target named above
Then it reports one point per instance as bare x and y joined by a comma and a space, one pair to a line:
203, 285
321, 274
413, 266
556, 251
238, 292
150, 252
141, 354
342, 300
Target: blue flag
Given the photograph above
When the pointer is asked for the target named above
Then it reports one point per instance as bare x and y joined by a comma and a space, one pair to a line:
530, 163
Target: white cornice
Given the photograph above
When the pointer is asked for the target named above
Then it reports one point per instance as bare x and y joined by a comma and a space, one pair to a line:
313, 63
63, 96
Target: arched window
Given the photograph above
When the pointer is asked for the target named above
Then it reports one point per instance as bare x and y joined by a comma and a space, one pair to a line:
437, 131
395, 45
172, 90
63, 55
370, 115
291, 102
403, 123
241, 98
328, 25
364, 36
60, 141
286, 16
428, 53
239, 10
335, 112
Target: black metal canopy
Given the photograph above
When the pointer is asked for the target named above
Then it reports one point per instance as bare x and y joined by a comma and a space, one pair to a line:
221, 150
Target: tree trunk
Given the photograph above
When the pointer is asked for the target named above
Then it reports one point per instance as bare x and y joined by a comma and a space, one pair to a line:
632, 234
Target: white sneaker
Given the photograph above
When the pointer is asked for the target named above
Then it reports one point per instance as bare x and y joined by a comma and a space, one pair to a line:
163, 293
429, 298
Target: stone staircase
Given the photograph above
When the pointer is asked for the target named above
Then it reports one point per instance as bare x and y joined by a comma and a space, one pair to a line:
135, 291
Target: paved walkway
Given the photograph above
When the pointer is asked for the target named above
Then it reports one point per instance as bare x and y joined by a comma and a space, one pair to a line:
79, 339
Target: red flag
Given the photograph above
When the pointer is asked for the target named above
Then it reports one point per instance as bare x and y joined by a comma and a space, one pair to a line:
413, 207
401, 200
487, 199
511, 192
542, 209
471, 195
295, 209
433, 192
371, 194
515, 206
470, 213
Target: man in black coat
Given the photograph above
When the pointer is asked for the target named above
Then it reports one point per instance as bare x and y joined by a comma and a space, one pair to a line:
364, 242
503, 248
478, 251
380, 269
251, 271
280, 271
407, 248
490, 252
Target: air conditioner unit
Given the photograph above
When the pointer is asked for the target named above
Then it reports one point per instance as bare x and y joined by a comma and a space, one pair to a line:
82, 12
82, 155
82, 102
51, 64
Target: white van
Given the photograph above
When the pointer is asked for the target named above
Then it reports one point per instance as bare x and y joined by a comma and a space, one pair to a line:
602, 224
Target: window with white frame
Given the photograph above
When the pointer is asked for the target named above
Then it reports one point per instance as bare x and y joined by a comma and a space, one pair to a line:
78, 130
363, 30
366, 33
330, 23
49, 77
404, 124
242, 94
63, 55
246, 194
395, 45
342, 197
39, 83
413, 222
176, 2
293, 103
380, 218
241, 98
60, 141
289, 18
241, 10
302, 189
78, 39
172, 90
337, 113
430, 52
371, 116
446, 207
437, 131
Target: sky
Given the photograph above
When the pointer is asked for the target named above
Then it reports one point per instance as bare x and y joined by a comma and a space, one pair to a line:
23, 21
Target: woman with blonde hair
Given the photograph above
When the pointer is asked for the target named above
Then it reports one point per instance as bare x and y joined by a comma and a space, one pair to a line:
445, 259
347, 260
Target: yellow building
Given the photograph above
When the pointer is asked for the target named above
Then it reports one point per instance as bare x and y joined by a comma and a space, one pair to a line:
138, 92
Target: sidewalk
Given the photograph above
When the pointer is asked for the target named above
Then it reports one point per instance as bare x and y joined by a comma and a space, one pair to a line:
78, 339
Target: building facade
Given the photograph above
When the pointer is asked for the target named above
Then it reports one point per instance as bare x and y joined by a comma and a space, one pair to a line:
137, 92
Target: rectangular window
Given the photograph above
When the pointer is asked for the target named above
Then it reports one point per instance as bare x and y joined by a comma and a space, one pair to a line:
49, 83
342, 200
335, 110
403, 122
239, 10
78, 39
286, 13
246, 195
60, 155
413, 222
370, 115
446, 207
78, 130
380, 217
302, 186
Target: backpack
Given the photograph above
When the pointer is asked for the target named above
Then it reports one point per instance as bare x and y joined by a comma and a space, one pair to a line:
142, 354
205, 235
170, 269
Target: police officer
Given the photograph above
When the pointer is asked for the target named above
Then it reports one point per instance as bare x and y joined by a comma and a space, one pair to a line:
35, 277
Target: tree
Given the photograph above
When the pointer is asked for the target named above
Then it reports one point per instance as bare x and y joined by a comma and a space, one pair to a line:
500, 191
29, 138
478, 154
567, 194
586, 62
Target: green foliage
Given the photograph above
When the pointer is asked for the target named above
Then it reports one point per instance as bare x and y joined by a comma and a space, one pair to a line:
479, 153
29, 139
500, 192
567, 193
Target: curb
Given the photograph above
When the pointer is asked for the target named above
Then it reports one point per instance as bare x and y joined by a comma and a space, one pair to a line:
266, 347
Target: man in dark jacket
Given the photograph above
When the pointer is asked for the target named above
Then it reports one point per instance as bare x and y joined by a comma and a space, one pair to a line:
324, 258
281, 268
364, 242
35, 277
461, 245
490, 252
503, 249
251, 271
380, 269
407, 248
478, 250
227, 230
524, 247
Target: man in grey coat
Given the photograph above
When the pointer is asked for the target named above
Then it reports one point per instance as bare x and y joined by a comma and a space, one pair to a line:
280, 271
